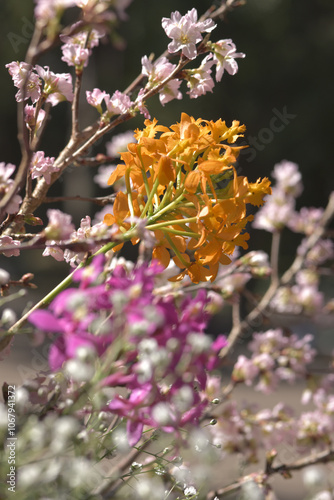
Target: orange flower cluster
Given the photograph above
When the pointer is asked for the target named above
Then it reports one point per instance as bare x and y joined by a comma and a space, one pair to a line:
182, 181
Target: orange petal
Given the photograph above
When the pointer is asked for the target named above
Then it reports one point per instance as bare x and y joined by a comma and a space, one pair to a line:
192, 181
109, 219
210, 253
162, 255
178, 261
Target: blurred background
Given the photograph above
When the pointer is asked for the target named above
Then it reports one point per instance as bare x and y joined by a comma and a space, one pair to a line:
283, 93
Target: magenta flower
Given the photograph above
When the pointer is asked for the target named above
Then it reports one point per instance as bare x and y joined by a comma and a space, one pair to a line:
162, 344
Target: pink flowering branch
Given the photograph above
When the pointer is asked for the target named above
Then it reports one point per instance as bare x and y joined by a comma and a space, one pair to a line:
81, 141
261, 309
261, 478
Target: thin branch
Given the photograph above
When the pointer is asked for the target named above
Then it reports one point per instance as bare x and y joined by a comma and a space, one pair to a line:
322, 457
311, 241
100, 200
252, 319
75, 105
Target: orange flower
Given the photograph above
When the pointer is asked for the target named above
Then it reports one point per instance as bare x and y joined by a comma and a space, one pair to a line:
171, 177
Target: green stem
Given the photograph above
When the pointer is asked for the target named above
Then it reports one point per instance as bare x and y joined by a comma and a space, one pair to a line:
129, 192
147, 187
176, 251
170, 223
181, 233
67, 282
150, 198
168, 208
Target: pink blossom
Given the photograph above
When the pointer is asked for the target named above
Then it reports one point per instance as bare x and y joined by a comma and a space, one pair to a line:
21, 73
118, 104
288, 178
86, 233
42, 166
305, 221
199, 80
53, 251
157, 72
95, 98
140, 104
276, 212
185, 32
60, 225
233, 283
48, 9
119, 143
75, 55
224, 55
88, 39
323, 250
103, 174
245, 370
5, 184
313, 427
29, 116
57, 86
78, 48
7, 241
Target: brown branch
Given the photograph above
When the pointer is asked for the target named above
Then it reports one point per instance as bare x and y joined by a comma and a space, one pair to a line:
322, 457
100, 200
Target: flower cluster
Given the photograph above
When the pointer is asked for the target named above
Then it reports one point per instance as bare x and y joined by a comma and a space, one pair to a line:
171, 182
42, 166
61, 229
77, 48
118, 103
276, 214
275, 357
117, 332
302, 296
185, 32
40, 83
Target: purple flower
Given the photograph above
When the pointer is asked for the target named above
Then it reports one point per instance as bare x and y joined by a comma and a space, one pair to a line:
150, 342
